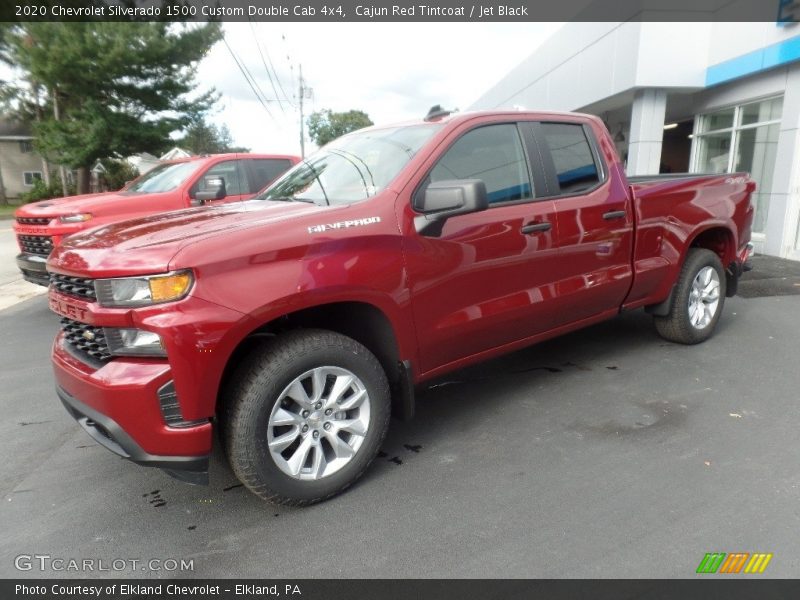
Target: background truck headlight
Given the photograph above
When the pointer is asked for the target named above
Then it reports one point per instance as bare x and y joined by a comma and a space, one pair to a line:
79, 218
143, 291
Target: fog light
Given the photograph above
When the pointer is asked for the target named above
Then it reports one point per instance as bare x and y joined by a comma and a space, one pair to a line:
134, 342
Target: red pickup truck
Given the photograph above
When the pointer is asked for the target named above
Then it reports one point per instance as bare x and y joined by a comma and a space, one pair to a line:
172, 185
297, 322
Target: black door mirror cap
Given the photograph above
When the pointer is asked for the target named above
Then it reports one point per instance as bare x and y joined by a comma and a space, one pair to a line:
449, 198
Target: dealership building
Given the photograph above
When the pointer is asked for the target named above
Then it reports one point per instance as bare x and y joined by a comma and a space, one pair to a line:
698, 97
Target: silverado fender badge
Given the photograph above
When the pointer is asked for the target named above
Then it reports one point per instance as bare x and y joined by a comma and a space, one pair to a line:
343, 224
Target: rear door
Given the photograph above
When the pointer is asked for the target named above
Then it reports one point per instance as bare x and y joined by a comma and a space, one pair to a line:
484, 280
595, 221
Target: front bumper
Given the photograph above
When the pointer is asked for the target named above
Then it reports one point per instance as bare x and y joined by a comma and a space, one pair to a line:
33, 268
108, 433
118, 406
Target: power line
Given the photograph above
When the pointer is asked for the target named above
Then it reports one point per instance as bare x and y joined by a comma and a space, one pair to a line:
253, 85
291, 72
266, 68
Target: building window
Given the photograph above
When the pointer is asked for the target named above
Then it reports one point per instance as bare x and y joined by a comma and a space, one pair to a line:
29, 177
26, 146
742, 138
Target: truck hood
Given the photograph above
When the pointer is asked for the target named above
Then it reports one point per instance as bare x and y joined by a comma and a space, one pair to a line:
124, 247
88, 203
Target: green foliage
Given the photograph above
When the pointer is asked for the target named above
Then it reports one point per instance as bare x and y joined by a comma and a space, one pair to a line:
325, 125
94, 90
118, 173
203, 137
42, 191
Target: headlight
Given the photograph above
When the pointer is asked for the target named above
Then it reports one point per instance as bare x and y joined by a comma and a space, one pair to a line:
79, 218
143, 291
133, 342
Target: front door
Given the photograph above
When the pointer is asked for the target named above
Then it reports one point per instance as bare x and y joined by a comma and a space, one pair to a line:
485, 279
236, 183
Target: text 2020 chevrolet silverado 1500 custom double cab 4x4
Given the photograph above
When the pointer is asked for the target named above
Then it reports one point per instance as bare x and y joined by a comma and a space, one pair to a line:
40, 226
297, 321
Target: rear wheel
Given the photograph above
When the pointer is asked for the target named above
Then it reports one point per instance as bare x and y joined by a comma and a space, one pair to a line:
306, 415
698, 299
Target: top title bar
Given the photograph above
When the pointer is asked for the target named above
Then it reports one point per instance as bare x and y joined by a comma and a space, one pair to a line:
782, 12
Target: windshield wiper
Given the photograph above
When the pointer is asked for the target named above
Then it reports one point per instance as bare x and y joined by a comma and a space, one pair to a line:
291, 199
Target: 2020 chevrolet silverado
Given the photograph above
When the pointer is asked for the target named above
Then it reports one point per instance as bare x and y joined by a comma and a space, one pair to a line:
297, 322
40, 226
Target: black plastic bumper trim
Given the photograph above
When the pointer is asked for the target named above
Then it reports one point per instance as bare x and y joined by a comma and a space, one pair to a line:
107, 432
33, 268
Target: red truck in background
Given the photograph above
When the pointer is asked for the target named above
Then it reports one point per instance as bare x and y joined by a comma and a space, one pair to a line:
298, 321
172, 185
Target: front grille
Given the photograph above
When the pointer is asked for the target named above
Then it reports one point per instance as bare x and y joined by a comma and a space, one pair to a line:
34, 220
74, 286
86, 340
36, 244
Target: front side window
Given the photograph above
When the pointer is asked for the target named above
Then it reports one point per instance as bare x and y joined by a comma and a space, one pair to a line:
230, 171
162, 178
742, 138
352, 168
493, 154
573, 159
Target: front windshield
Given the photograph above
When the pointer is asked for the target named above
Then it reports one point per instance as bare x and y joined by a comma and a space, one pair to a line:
163, 178
352, 168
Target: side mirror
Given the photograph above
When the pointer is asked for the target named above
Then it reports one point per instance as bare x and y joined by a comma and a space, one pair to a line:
213, 189
444, 199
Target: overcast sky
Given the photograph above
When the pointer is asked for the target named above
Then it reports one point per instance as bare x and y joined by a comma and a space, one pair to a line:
391, 71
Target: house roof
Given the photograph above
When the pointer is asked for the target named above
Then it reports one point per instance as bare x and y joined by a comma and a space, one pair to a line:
14, 129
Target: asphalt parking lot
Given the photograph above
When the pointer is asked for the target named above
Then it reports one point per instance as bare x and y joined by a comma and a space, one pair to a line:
605, 453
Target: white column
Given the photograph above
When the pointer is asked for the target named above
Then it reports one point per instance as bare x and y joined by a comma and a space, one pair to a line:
647, 131
783, 216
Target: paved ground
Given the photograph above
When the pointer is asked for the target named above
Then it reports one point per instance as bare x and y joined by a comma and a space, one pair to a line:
13, 289
606, 453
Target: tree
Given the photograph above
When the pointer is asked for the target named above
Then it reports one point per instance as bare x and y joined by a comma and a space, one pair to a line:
97, 90
326, 125
203, 137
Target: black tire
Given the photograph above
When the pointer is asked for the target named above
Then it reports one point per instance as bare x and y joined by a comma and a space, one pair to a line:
677, 325
256, 387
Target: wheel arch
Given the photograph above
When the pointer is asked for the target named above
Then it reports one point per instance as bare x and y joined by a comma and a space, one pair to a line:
721, 240
362, 321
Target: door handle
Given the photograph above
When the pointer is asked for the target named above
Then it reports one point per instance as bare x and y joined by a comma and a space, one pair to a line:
614, 214
536, 227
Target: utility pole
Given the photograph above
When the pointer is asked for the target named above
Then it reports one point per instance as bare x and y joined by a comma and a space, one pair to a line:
301, 93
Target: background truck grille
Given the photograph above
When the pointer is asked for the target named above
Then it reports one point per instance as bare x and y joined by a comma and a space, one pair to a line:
74, 286
34, 220
36, 244
86, 340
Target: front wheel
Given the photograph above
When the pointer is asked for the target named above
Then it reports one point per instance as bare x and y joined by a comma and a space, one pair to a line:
306, 414
697, 301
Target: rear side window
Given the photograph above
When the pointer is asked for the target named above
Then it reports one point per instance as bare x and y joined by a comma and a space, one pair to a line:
493, 154
573, 158
266, 170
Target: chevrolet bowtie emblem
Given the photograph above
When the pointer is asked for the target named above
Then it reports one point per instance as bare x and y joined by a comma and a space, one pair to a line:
88, 335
